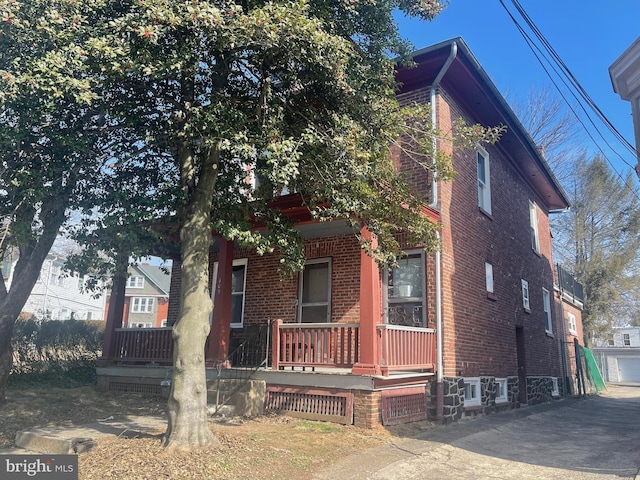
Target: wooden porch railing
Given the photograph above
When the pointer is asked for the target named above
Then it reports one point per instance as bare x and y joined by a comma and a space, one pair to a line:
143, 345
406, 348
314, 345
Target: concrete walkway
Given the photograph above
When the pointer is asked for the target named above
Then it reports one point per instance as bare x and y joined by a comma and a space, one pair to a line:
77, 439
591, 439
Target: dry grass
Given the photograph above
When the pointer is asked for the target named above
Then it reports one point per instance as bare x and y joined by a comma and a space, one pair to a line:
271, 446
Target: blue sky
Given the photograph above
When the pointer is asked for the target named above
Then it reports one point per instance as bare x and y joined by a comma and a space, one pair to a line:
588, 35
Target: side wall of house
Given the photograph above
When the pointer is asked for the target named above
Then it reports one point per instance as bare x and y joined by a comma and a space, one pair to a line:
480, 329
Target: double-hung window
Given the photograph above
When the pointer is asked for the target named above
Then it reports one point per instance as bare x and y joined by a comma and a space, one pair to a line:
546, 299
404, 292
484, 181
135, 281
142, 305
525, 296
488, 273
533, 227
571, 318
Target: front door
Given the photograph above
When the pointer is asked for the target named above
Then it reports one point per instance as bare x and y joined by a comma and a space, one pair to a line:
314, 304
522, 366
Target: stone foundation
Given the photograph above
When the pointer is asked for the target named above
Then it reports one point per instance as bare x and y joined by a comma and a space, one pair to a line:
513, 392
539, 390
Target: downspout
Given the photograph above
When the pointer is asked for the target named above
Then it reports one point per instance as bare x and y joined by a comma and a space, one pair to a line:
563, 339
434, 203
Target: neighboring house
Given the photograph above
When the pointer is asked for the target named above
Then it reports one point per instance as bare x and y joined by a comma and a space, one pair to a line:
472, 328
569, 297
625, 77
57, 294
619, 355
146, 297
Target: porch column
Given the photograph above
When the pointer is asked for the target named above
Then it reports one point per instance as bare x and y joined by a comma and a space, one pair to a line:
116, 307
370, 311
221, 320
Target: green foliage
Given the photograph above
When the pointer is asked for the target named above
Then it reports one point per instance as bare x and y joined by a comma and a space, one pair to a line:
60, 353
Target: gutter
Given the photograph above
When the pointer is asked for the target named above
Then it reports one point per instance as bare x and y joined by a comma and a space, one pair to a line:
433, 204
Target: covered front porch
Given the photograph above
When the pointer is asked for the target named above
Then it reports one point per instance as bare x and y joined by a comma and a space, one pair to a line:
389, 347
292, 346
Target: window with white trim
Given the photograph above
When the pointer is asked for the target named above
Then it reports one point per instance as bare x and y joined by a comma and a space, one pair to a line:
140, 325
405, 291
314, 296
135, 281
571, 319
472, 392
626, 339
555, 390
484, 181
533, 227
546, 300
501, 390
142, 304
488, 274
164, 323
238, 286
525, 296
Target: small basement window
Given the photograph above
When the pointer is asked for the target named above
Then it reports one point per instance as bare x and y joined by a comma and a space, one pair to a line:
501, 390
555, 392
472, 392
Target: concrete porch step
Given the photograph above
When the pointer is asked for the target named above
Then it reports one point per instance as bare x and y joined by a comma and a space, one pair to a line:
248, 401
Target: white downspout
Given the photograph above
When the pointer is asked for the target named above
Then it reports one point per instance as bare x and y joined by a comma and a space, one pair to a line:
434, 203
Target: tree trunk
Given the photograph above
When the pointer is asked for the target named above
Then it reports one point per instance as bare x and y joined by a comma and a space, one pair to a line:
188, 422
8, 317
26, 273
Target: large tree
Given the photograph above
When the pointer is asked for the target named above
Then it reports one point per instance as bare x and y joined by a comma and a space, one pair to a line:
50, 145
240, 100
599, 239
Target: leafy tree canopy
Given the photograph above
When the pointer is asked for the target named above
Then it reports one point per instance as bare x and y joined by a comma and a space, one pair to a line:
208, 110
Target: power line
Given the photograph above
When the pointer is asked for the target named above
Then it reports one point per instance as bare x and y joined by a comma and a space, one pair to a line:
574, 81
569, 80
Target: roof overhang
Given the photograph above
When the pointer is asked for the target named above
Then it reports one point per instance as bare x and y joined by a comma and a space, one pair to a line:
471, 87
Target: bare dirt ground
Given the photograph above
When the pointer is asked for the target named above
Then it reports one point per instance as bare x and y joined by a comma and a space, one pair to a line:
271, 446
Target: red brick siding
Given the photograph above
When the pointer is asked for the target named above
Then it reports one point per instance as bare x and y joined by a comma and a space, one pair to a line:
367, 411
269, 296
479, 333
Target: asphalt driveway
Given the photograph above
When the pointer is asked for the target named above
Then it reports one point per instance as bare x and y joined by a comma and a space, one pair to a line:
593, 438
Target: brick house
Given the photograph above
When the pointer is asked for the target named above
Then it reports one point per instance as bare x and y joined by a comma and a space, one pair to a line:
472, 328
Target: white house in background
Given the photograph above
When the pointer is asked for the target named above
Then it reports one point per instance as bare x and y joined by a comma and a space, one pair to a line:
619, 356
625, 77
57, 294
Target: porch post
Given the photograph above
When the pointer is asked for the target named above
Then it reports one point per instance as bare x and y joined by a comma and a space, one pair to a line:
370, 311
116, 307
221, 319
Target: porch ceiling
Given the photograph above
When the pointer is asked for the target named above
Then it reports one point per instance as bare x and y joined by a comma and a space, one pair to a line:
310, 230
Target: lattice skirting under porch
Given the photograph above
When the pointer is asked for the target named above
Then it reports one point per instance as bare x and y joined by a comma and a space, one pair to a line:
404, 405
130, 387
328, 405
